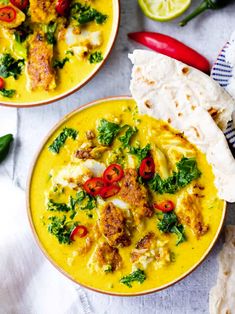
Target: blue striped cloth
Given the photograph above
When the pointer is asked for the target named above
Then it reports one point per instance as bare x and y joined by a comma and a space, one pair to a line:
222, 72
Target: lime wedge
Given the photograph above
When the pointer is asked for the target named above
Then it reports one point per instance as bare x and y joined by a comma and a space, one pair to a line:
164, 10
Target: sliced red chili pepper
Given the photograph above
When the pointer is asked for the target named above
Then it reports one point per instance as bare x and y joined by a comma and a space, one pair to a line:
1, 83
113, 173
93, 186
109, 191
173, 48
165, 206
147, 168
7, 14
62, 7
79, 231
20, 4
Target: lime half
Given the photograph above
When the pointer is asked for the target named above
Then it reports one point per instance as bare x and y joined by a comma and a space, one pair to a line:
164, 10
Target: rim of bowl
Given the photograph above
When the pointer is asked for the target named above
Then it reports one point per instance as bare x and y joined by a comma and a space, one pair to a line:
116, 25
46, 254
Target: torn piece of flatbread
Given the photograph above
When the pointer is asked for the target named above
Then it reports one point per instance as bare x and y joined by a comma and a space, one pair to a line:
191, 102
222, 296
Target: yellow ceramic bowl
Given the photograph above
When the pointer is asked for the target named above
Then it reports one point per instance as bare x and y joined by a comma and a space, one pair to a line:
188, 255
75, 73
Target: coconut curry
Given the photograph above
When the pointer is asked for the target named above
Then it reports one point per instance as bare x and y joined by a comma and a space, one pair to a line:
122, 202
50, 47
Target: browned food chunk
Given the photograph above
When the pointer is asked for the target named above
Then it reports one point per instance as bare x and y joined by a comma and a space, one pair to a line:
39, 66
151, 250
136, 195
189, 211
142, 246
113, 226
84, 153
107, 256
42, 11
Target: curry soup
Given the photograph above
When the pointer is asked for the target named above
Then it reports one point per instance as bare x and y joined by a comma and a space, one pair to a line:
148, 225
44, 55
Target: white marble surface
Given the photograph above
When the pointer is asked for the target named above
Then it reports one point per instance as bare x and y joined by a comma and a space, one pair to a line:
207, 34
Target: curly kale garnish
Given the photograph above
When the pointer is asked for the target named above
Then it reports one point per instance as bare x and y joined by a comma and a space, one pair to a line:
61, 228
59, 142
170, 224
10, 67
187, 172
138, 275
84, 14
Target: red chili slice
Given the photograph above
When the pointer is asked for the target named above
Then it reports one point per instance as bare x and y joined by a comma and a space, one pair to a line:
165, 206
147, 168
62, 7
79, 231
113, 173
20, 4
7, 14
109, 191
1, 83
93, 186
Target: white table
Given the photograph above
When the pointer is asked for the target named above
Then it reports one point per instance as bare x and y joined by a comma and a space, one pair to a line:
207, 34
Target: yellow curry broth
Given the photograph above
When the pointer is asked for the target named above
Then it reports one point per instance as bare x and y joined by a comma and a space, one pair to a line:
186, 255
74, 72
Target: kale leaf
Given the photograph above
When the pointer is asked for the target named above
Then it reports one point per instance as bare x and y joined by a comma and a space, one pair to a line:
95, 57
9, 93
140, 153
84, 14
50, 33
59, 64
187, 172
61, 228
10, 67
138, 275
125, 139
170, 224
60, 207
61, 139
83, 200
107, 131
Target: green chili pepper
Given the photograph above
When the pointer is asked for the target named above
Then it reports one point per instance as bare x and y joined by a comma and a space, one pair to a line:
205, 5
5, 143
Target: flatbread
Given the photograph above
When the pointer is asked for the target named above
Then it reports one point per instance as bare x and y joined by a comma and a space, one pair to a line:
222, 296
191, 102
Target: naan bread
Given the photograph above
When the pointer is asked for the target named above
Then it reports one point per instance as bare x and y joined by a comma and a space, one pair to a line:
222, 296
191, 102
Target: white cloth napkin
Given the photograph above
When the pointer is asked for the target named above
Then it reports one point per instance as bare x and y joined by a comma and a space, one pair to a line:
29, 284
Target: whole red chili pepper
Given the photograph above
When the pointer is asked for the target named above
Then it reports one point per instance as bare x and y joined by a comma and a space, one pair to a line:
172, 48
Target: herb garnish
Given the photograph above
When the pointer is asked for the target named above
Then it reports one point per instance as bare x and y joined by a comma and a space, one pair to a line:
50, 33
95, 57
107, 131
59, 64
140, 153
138, 275
61, 139
85, 201
187, 172
60, 207
125, 139
61, 228
170, 224
10, 67
9, 93
5, 144
84, 14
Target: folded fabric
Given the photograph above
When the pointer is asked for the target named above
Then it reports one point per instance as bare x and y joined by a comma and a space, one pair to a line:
29, 283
